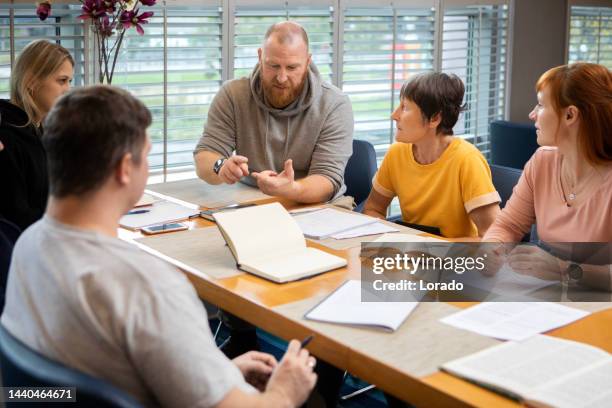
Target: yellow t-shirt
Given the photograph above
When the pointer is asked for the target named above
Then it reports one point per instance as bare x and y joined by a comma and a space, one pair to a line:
440, 194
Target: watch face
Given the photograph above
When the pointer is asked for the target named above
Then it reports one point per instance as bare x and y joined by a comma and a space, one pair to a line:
574, 271
218, 165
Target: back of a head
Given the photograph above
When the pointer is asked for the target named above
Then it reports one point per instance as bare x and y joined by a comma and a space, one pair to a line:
436, 92
87, 133
38, 60
588, 87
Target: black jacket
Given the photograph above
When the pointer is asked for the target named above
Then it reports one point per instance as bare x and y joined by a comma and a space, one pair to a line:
24, 184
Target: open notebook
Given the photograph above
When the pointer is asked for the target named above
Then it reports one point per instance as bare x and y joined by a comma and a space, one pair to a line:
344, 306
266, 241
543, 371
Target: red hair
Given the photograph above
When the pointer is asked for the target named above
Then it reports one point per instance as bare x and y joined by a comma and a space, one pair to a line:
588, 87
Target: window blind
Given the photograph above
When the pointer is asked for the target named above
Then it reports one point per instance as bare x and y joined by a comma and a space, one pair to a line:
590, 36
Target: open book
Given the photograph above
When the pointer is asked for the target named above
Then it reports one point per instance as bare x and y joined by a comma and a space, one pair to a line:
542, 371
344, 306
266, 241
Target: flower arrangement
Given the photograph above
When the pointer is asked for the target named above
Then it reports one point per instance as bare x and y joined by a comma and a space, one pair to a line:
109, 21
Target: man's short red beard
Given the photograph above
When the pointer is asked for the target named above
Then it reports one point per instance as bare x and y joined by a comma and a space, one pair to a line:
281, 98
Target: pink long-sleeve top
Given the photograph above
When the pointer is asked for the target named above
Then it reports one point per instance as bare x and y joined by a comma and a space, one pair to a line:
538, 198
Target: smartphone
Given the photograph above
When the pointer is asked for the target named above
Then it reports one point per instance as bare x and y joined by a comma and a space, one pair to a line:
158, 229
208, 214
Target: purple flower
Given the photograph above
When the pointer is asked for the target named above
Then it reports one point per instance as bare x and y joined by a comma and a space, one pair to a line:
105, 28
43, 10
131, 18
109, 5
148, 2
92, 9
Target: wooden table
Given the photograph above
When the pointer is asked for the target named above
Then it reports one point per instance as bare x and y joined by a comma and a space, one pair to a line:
273, 308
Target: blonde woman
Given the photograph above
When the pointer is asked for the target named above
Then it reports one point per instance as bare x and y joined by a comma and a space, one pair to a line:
42, 73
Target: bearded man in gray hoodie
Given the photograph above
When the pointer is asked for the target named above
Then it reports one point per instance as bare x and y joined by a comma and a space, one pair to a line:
291, 131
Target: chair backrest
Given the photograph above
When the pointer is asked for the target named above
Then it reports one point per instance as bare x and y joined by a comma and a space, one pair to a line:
9, 233
359, 172
512, 144
504, 180
24, 367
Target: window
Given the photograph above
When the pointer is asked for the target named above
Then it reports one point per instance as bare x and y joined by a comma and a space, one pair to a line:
474, 42
19, 26
590, 35
383, 47
176, 70
366, 48
251, 22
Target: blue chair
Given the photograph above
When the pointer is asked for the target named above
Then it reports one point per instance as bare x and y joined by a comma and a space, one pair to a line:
24, 367
512, 144
504, 180
360, 171
9, 233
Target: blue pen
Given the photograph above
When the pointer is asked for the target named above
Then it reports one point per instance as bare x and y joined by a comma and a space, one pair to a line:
138, 212
307, 340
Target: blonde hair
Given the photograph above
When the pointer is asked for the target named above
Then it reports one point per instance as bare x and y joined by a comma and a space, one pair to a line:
38, 60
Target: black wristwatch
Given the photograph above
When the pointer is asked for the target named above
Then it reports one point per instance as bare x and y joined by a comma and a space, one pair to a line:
218, 164
574, 272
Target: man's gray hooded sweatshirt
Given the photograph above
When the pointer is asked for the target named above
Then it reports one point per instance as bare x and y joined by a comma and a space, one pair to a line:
315, 130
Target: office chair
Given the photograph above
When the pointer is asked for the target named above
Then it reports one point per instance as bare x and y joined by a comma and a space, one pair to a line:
9, 233
360, 171
24, 367
504, 180
512, 144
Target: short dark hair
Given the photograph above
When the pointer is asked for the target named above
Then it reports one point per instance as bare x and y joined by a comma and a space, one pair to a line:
436, 92
87, 133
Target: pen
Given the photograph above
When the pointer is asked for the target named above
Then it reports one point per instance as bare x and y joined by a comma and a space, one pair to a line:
307, 340
137, 212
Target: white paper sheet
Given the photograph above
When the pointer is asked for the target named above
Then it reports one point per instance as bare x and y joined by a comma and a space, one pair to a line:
513, 320
328, 221
406, 238
370, 229
344, 306
159, 213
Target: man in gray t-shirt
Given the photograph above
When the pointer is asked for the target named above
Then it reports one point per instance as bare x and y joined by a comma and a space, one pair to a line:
292, 132
82, 297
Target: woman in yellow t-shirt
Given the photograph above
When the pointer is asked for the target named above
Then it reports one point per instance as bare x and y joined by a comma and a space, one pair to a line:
441, 181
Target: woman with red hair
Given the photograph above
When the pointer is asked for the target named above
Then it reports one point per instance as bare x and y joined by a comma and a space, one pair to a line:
566, 187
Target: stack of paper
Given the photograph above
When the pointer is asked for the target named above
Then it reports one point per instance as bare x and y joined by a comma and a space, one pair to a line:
344, 306
324, 223
513, 320
159, 213
370, 229
406, 238
145, 200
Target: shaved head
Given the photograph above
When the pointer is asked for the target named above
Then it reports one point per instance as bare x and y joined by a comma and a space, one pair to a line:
286, 32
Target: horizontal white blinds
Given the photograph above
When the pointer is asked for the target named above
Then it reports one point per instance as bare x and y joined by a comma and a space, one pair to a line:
251, 23
62, 27
382, 47
474, 47
175, 69
590, 37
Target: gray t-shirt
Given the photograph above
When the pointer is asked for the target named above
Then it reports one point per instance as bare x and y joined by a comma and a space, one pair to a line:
104, 307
